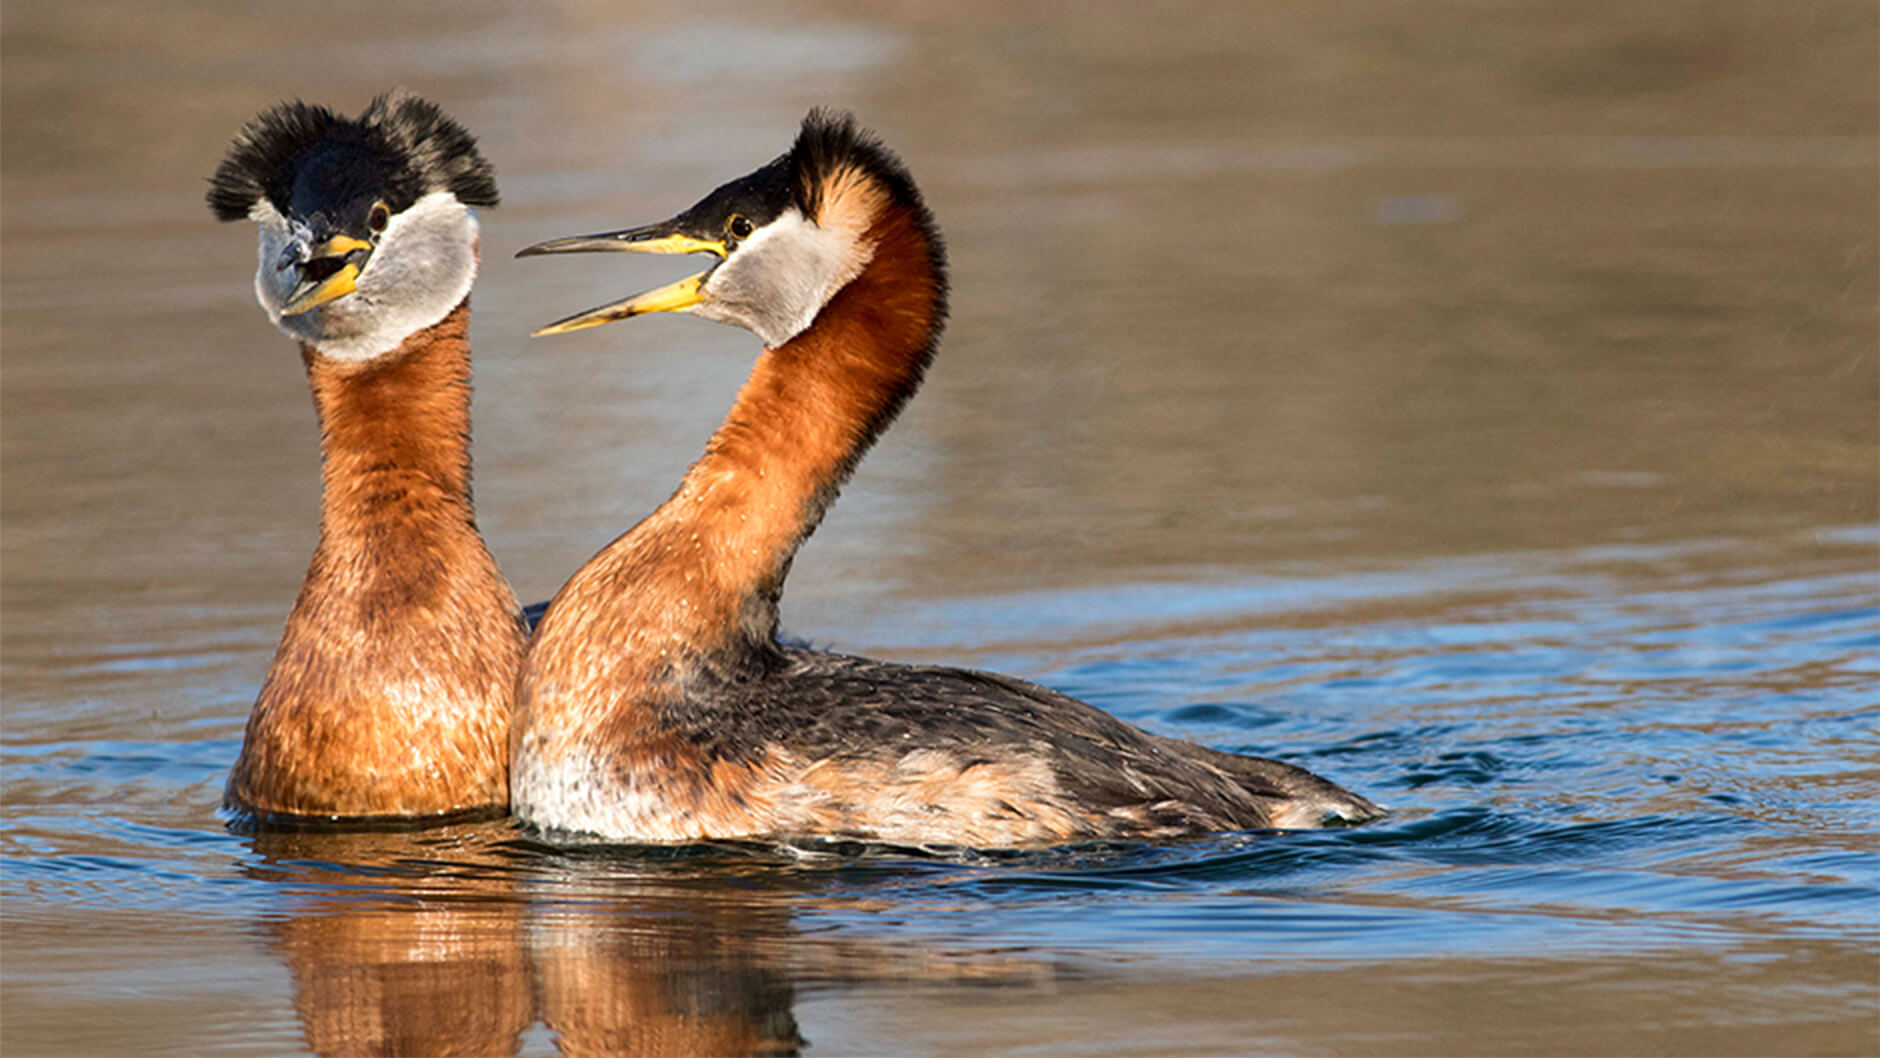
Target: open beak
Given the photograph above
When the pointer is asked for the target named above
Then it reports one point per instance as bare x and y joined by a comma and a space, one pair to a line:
330, 272
654, 238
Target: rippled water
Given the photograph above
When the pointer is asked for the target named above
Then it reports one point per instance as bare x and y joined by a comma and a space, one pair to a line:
1645, 798
1477, 406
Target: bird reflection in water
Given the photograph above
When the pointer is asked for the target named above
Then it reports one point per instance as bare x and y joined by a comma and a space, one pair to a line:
431, 943
646, 967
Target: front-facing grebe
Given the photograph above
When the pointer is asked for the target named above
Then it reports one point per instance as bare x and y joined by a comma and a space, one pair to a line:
390, 693
657, 704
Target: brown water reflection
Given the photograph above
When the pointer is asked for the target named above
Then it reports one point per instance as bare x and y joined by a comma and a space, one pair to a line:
463, 940
663, 995
427, 944
459, 940
438, 970
1585, 294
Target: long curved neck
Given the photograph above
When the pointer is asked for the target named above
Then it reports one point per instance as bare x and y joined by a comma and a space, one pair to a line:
703, 573
810, 410
395, 440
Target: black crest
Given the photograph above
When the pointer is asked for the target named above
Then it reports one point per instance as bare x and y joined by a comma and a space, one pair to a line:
831, 140
404, 145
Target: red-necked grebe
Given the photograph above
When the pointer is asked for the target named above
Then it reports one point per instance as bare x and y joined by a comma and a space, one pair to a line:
390, 693
657, 704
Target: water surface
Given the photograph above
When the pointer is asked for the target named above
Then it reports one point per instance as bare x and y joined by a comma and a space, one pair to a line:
1477, 405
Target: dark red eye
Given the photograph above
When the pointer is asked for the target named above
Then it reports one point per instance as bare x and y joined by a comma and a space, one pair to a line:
378, 218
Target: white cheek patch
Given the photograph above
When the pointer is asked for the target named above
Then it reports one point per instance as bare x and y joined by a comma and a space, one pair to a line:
423, 268
776, 282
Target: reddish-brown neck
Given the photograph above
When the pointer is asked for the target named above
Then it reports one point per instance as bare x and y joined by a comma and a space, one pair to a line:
395, 433
390, 693
809, 411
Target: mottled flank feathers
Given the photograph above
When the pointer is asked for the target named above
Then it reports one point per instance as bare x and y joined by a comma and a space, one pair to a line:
904, 752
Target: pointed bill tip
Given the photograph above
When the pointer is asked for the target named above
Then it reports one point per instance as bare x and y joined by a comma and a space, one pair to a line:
673, 297
572, 323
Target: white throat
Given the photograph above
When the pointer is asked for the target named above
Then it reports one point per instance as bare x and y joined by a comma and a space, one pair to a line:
776, 281
423, 268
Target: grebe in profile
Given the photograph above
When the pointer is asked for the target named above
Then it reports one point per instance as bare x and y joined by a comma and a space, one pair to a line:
390, 693
657, 704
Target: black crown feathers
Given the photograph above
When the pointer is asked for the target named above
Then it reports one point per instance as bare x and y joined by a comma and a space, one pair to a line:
414, 146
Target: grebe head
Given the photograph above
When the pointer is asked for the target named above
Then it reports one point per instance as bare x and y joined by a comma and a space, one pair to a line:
787, 237
368, 226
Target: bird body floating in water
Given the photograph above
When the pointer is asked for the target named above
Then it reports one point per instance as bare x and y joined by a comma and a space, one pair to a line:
390, 694
657, 703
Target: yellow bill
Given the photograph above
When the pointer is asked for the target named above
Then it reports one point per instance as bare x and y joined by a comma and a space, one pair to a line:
339, 246
673, 297
311, 294
655, 238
